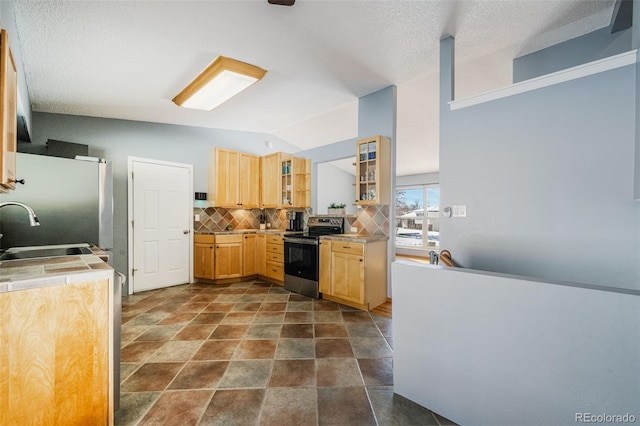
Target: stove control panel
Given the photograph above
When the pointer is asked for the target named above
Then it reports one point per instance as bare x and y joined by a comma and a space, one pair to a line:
325, 221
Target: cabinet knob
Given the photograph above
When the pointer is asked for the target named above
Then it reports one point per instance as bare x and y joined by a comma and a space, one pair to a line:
185, 232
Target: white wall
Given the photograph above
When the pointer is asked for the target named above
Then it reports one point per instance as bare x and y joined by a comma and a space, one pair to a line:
419, 179
334, 186
486, 349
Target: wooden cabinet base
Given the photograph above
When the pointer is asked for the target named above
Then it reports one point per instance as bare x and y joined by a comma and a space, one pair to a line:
366, 307
238, 280
354, 273
226, 280
271, 280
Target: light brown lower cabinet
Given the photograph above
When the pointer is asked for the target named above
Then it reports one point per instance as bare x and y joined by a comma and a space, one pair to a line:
250, 261
220, 257
228, 257
354, 273
261, 254
275, 258
54, 355
203, 256
347, 277
324, 273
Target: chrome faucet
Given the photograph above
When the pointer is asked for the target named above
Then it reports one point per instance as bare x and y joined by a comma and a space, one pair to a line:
33, 219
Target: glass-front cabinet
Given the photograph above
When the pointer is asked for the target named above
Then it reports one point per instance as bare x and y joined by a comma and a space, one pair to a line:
286, 184
373, 171
295, 182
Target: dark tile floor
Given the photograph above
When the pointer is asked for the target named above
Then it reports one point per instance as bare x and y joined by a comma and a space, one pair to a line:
253, 353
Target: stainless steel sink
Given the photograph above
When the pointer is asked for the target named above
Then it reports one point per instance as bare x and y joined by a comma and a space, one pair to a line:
44, 252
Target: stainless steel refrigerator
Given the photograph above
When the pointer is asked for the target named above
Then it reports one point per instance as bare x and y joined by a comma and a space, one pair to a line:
73, 199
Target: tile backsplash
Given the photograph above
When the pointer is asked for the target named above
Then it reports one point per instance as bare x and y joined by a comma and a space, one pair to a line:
213, 219
370, 220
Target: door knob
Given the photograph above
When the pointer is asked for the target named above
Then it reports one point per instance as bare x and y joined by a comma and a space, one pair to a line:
186, 231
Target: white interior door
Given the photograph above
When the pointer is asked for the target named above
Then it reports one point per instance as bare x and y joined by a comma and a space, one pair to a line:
161, 225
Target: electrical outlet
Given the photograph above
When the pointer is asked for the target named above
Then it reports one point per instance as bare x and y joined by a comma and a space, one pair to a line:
196, 217
354, 230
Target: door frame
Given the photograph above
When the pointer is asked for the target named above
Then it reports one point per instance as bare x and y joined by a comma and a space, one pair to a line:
130, 242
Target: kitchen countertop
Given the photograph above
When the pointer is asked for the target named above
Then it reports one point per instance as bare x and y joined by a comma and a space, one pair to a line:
355, 238
23, 274
251, 231
338, 237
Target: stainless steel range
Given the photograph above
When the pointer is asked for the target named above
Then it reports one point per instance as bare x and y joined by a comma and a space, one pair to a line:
302, 258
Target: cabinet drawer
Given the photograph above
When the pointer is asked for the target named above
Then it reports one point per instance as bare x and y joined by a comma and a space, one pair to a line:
275, 239
347, 247
221, 239
204, 238
275, 271
275, 257
275, 248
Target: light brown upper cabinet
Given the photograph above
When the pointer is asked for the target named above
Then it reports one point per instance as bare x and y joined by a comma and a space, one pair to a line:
249, 181
295, 183
8, 116
270, 181
373, 171
234, 179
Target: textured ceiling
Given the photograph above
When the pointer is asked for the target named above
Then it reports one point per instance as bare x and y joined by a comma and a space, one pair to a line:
128, 59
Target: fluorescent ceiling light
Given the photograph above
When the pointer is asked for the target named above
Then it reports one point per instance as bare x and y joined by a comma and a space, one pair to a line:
221, 80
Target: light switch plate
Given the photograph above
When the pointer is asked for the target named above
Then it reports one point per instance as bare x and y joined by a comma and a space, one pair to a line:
196, 217
460, 211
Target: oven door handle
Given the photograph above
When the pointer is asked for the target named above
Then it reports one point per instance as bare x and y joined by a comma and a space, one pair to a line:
301, 241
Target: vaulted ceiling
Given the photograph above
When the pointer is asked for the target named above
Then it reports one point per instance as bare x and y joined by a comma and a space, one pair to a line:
128, 59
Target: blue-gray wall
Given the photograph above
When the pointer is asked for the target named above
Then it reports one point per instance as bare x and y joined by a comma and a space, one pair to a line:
116, 140
636, 45
547, 178
377, 115
580, 50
